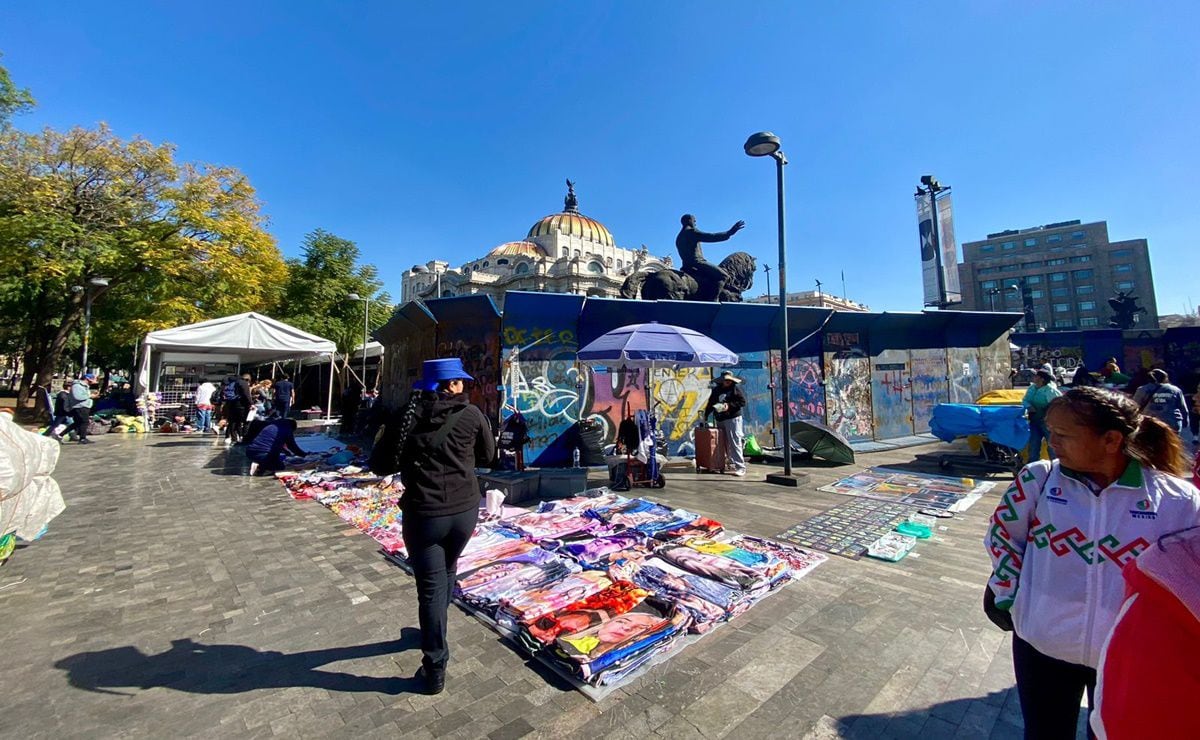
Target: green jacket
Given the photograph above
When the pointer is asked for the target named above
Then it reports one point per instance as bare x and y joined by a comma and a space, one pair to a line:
1038, 398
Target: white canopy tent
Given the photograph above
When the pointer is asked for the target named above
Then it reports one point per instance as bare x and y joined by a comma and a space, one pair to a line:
245, 339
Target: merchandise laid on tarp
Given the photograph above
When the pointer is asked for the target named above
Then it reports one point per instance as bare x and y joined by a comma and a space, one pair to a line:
29, 497
597, 586
232, 342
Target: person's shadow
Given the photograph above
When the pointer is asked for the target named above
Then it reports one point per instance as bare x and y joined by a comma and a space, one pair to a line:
230, 669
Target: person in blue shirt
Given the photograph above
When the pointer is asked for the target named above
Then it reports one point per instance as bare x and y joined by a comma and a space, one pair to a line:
272, 440
285, 396
1163, 401
1037, 398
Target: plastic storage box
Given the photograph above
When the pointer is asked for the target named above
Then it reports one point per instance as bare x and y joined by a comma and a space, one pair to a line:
518, 487
562, 482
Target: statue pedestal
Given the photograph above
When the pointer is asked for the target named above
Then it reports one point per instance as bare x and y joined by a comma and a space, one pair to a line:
781, 479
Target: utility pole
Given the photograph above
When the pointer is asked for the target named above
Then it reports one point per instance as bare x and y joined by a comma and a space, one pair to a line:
820, 298
932, 188
767, 270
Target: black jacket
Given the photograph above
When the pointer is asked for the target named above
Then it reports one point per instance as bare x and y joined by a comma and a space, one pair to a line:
440, 481
732, 396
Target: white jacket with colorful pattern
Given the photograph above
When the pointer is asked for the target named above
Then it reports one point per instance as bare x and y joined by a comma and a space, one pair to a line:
1057, 548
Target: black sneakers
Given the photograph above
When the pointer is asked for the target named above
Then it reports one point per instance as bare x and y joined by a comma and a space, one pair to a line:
434, 678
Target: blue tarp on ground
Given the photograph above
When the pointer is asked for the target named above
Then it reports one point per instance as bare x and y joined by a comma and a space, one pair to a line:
1005, 425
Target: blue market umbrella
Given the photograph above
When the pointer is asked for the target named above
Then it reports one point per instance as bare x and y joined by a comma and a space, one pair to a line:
648, 345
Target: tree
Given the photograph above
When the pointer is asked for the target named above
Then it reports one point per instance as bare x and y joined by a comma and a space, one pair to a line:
318, 285
179, 242
13, 99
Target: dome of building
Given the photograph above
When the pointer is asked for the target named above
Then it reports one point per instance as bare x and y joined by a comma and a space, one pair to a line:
572, 223
518, 249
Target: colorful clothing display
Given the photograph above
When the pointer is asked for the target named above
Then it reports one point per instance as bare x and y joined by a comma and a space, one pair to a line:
598, 585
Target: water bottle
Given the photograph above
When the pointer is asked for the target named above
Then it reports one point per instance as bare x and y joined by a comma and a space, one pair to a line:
575, 457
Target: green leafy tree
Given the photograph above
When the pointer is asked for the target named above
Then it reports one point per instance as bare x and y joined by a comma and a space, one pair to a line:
316, 298
13, 99
178, 242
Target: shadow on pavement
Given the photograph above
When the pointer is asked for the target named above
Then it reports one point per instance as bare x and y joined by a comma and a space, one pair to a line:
974, 717
198, 668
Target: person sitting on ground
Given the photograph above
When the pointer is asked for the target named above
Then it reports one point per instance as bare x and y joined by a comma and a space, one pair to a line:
1163, 401
268, 441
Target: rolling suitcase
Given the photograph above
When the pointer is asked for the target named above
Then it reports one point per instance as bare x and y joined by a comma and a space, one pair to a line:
710, 450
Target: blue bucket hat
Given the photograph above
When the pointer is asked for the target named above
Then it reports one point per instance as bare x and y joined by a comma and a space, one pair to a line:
436, 371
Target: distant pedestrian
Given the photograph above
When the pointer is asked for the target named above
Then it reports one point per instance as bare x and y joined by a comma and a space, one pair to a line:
80, 407
235, 404
725, 404
1163, 401
61, 412
1037, 398
285, 396
204, 405
1082, 377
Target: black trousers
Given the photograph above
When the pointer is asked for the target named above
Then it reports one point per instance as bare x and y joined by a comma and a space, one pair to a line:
234, 414
434, 544
81, 416
1050, 690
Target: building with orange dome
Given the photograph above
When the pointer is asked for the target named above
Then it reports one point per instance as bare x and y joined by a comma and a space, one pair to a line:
565, 252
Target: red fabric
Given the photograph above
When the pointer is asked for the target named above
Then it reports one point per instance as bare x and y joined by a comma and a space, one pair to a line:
613, 601
1150, 675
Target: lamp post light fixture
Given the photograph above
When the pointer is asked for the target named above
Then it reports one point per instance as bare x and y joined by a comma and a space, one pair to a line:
94, 282
366, 330
992, 293
767, 144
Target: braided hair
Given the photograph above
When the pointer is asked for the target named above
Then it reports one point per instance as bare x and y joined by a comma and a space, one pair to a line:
1147, 440
389, 451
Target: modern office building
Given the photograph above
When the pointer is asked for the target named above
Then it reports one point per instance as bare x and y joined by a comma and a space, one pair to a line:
1067, 270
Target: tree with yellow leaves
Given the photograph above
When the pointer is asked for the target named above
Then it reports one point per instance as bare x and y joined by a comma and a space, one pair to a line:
179, 243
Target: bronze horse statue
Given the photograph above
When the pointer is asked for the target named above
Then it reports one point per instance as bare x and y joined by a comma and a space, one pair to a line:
677, 285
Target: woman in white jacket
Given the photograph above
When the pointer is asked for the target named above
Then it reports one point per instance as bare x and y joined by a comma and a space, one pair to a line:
1063, 531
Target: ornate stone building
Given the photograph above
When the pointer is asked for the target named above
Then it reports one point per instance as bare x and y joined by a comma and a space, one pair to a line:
564, 252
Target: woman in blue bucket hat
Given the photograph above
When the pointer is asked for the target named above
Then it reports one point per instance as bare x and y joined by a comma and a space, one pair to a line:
438, 441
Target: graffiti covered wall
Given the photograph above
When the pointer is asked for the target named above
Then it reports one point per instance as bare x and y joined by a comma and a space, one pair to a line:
680, 396
477, 343
929, 385
963, 365
756, 381
848, 386
995, 361
891, 394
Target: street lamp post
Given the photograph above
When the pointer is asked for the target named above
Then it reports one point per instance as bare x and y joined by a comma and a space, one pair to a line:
767, 144
992, 293
366, 330
96, 282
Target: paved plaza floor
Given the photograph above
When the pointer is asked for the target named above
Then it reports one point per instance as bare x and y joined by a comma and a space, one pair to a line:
177, 597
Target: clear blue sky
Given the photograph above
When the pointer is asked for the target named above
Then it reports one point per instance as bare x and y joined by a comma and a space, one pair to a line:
427, 133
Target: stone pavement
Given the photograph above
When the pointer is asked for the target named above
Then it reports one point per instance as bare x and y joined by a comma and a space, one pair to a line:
176, 597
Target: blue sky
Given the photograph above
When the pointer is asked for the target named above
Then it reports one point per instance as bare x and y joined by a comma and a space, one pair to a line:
438, 133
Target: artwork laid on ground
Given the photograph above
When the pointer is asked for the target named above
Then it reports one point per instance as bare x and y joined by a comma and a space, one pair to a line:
848, 529
917, 489
929, 385
891, 394
848, 386
963, 365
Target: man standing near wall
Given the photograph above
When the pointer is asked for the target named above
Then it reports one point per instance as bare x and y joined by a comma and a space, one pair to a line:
726, 403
